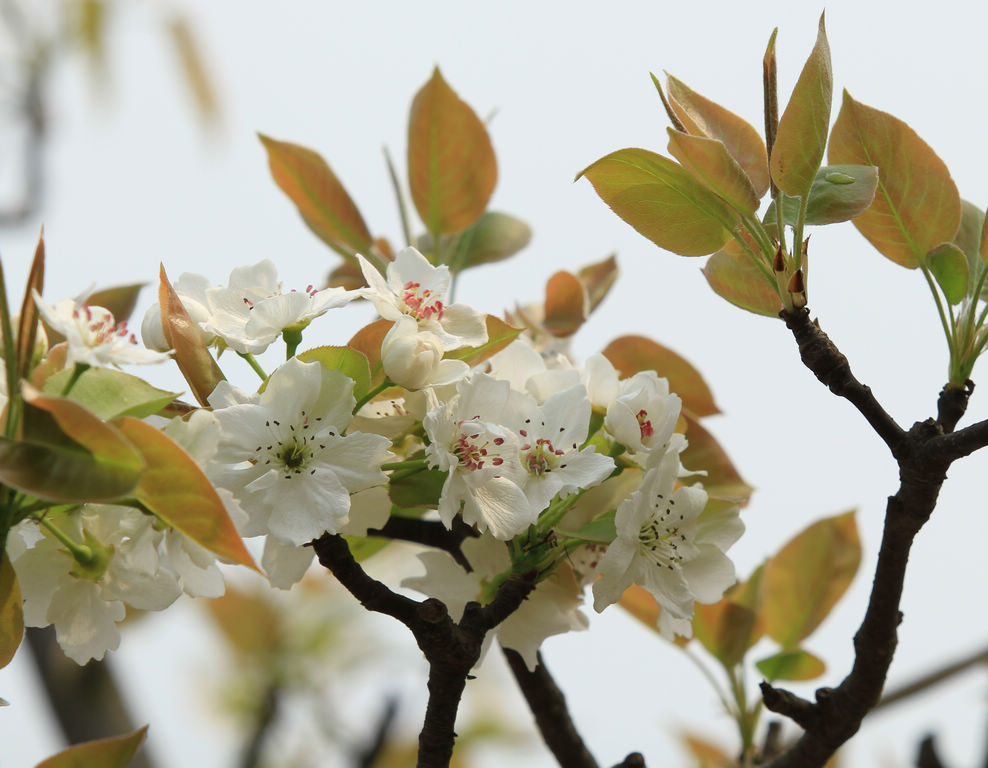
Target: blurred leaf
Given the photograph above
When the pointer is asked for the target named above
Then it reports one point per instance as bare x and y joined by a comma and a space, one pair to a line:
732, 276
639, 602
495, 237
791, 665
949, 266
368, 341
182, 335
662, 201
740, 138
804, 581
53, 362
27, 326
725, 629
499, 335
710, 162
347, 276
11, 612
839, 193
194, 69
87, 25
631, 354
917, 206
348, 361
566, 304
120, 300
968, 237
363, 547
707, 754
175, 489
451, 165
802, 135
248, 621
598, 278
601, 530
115, 752
109, 393
421, 489
319, 196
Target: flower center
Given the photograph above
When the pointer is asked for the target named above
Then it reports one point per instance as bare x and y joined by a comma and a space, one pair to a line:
310, 291
540, 458
660, 537
292, 448
423, 303
101, 329
470, 448
644, 424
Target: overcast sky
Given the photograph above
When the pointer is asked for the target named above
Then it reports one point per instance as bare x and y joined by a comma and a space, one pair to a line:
133, 182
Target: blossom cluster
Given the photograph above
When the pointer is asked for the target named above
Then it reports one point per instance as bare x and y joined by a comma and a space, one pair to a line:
516, 437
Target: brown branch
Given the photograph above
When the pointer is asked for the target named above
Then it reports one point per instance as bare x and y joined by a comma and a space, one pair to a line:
548, 705
963, 442
263, 722
634, 760
933, 678
927, 756
431, 533
952, 404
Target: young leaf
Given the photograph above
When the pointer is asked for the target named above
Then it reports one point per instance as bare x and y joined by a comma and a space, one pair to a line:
791, 665
499, 335
175, 489
726, 629
421, 489
839, 193
917, 206
248, 621
631, 354
663, 201
322, 201
451, 165
368, 342
705, 453
808, 576
598, 278
707, 118
193, 358
566, 304
109, 393
11, 612
949, 266
348, 361
495, 237
710, 162
802, 136
115, 752
732, 276
27, 327
120, 300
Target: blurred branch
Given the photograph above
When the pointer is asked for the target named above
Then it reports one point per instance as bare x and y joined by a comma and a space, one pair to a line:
266, 715
367, 756
927, 756
933, 678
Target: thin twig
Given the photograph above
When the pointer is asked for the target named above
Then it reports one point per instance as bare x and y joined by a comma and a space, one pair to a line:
431, 533
933, 678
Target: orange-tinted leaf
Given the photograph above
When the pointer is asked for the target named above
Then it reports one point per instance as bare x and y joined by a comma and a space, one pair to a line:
175, 489
120, 300
637, 601
631, 354
708, 118
248, 621
193, 358
710, 162
732, 276
325, 206
802, 135
189, 53
917, 206
11, 613
53, 363
451, 165
791, 665
725, 629
347, 276
707, 755
704, 452
598, 278
27, 327
663, 201
499, 335
807, 578
115, 752
368, 341
566, 304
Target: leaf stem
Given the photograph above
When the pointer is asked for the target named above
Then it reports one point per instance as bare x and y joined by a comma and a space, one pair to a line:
402, 208
252, 362
80, 368
943, 320
10, 359
372, 394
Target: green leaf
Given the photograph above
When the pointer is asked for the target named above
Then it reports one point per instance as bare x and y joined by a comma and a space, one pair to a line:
600, 530
791, 665
27, 325
348, 361
363, 547
663, 201
499, 335
704, 453
916, 206
710, 162
839, 193
632, 354
11, 612
451, 165
109, 393
804, 581
949, 266
321, 199
495, 237
421, 489
120, 300
726, 629
802, 135
566, 304
704, 117
598, 278
175, 489
732, 276
115, 752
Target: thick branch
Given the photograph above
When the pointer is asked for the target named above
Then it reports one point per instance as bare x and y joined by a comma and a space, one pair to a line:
548, 705
963, 442
431, 533
952, 404
831, 367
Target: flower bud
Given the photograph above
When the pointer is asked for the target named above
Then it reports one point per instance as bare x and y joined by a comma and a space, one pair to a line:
413, 359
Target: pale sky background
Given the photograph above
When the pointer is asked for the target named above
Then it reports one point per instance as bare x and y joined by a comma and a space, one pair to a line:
132, 182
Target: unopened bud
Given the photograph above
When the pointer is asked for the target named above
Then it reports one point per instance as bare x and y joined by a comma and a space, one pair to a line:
779, 262
797, 289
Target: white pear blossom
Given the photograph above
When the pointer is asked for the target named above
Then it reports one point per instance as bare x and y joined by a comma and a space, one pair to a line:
191, 290
285, 456
94, 337
413, 358
643, 414
469, 441
414, 288
526, 370
668, 546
